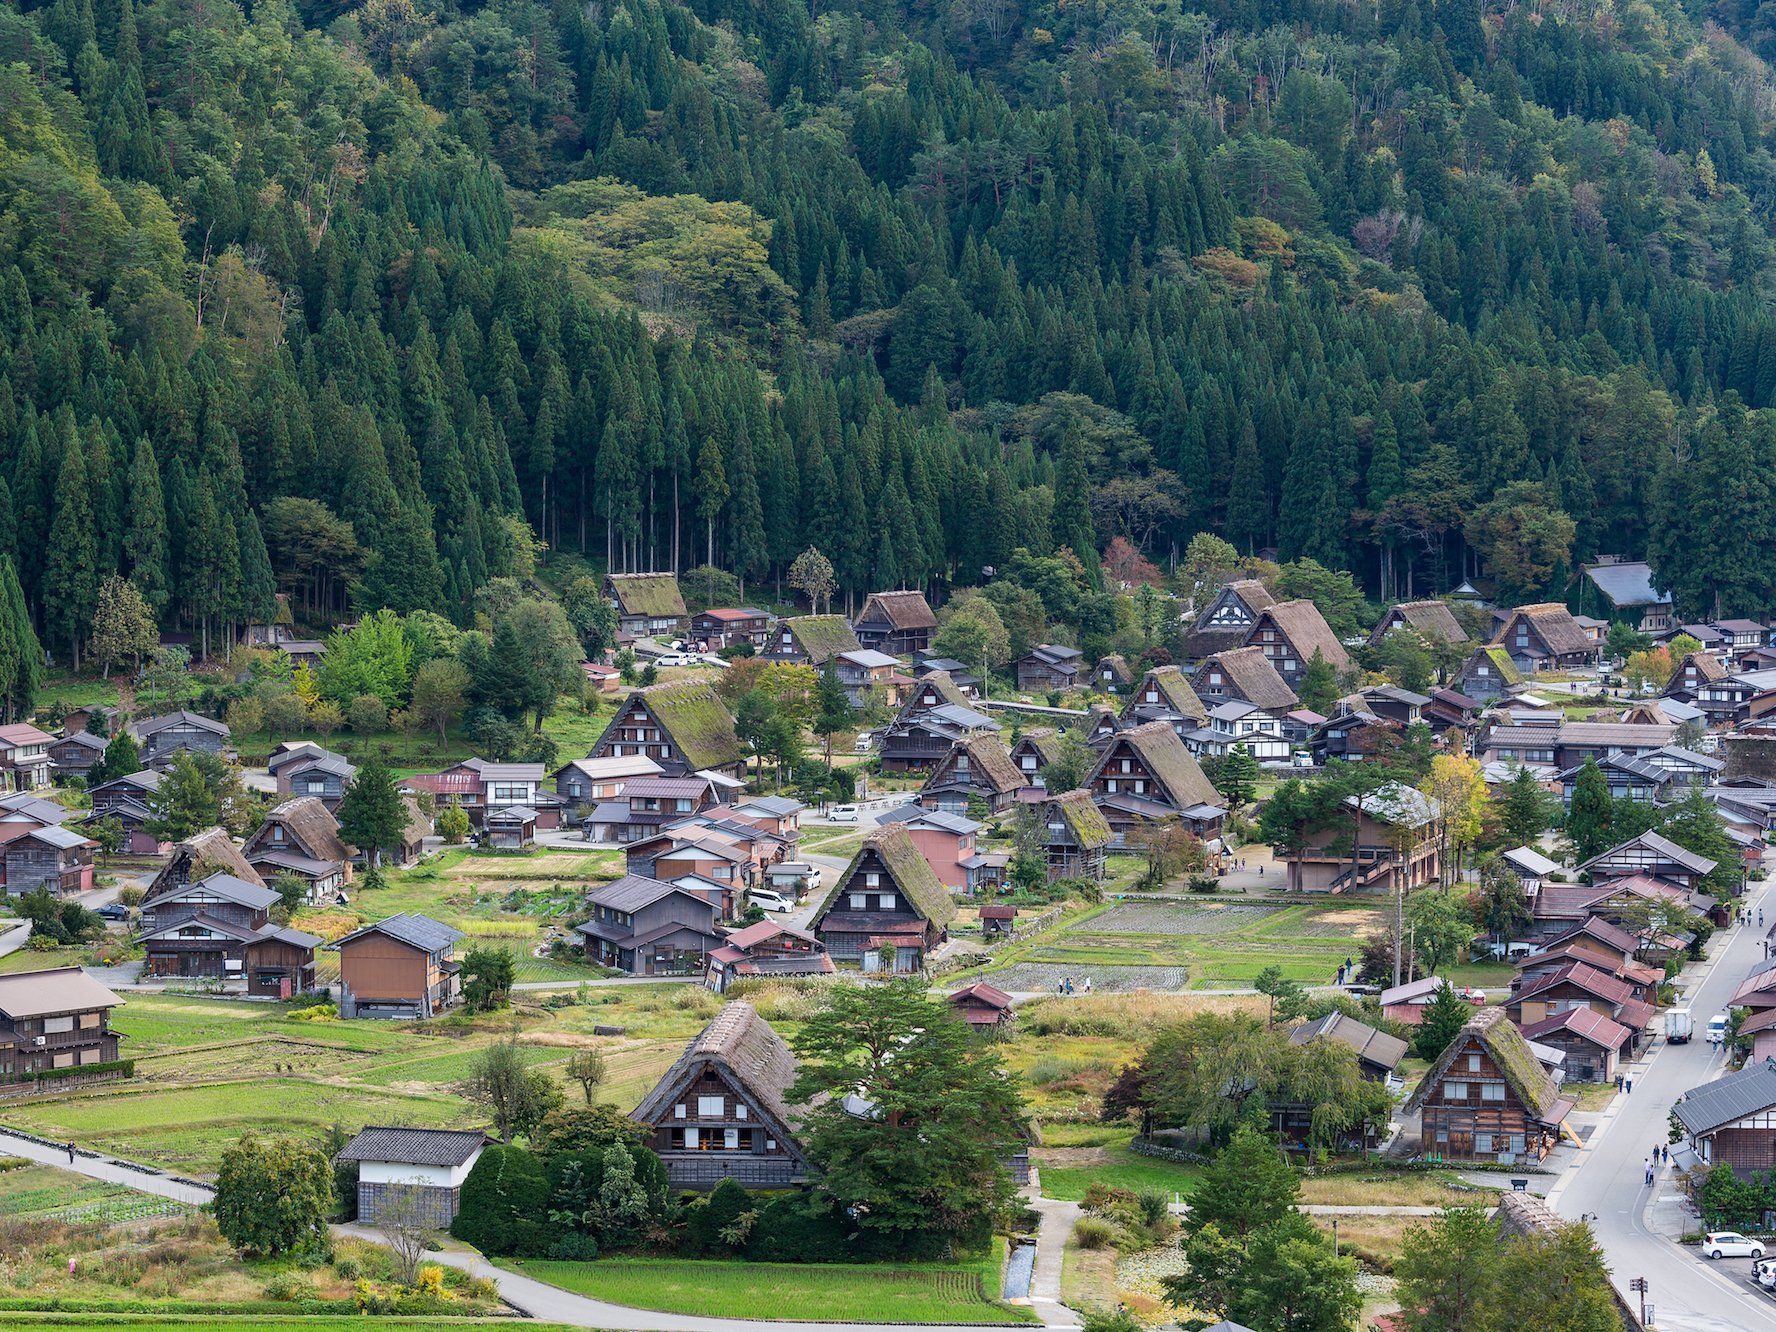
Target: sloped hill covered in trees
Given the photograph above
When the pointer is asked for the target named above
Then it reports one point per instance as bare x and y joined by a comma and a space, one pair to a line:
362, 299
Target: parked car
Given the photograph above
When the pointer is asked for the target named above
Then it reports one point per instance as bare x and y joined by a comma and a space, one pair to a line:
842, 814
114, 911
1717, 1029
866, 741
766, 900
1730, 1244
1474, 995
675, 659
1763, 1272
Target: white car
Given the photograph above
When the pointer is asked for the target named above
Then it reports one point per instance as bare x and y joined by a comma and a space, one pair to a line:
767, 900
675, 659
865, 743
1731, 1244
842, 814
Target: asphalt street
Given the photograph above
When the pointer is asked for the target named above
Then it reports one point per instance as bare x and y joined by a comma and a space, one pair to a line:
1608, 1183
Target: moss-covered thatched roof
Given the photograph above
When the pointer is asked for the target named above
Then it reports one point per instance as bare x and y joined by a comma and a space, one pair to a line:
655, 595
1090, 828
698, 722
911, 872
1509, 1050
821, 636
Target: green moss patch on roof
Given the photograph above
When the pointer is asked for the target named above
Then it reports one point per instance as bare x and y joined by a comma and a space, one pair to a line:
652, 594
822, 636
698, 722
1502, 663
912, 874
1089, 826
1509, 1049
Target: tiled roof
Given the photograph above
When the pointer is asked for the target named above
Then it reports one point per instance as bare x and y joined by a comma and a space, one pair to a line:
417, 931
1714, 1104
28, 994
414, 1146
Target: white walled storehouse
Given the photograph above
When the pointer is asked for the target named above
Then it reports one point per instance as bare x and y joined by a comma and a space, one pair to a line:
431, 1162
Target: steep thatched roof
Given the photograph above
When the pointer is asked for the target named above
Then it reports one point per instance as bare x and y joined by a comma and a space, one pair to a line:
1553, 623
208, 852
1170, 763
947, 690
1252, 677
1433, 619
1507, 1047
1174, 691
1089, 826
901, 610
911, 872
1500, 661
989, 759
743, 1047
821, 636
698, 722
655, 595
310, 824
1045, 740
1305, 628
1708, 669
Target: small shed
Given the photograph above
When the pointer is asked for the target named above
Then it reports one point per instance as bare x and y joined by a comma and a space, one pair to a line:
983, 1007
431, 1163
511, 829
997, 921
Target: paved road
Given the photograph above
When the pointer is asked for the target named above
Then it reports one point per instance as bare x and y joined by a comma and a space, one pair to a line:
1608, 1183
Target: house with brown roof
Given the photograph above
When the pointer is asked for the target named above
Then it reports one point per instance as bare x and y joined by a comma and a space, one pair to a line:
1049, 666
809, 640
1487, 673
1289, 633
685, 728
729, 626
54, 1018
887, 903
203, 853
1227, 618
1545, 637
769, 948
1576, 984
648, 605
1076, 836
1164, 694
898, 623
1693, 674
647, 805
1431, 619
976, 768
300, 837
1593, 1045
722, 1110
1034, 750
985, 1008
1146, 775
1112, 674
1488, 1097
1243, 675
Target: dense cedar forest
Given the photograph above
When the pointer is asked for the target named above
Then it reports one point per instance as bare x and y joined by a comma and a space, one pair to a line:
361, 302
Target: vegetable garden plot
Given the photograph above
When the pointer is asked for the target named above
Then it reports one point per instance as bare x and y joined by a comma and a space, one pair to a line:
1178, 918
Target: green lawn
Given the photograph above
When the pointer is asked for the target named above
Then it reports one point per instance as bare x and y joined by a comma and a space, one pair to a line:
869, 1293
42, 1322
1075, 1156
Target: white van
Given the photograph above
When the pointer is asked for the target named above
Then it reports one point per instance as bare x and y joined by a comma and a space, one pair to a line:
1717, 1029
766, 900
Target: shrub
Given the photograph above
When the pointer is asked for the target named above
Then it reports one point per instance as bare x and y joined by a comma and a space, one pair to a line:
289, 1286
574, 1248
501, 1198
1092, 1232
707, 1218
791, 1228
347, 1268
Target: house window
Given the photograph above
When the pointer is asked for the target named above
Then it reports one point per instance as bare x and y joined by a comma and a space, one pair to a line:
740, 1110
1483, 1144
731, 1139
1473, 1063
1492, 1091
1517, 1143
1455, 1091
710, 1107
690, 1139
871, 879
884, 901
678, 1111
860, 901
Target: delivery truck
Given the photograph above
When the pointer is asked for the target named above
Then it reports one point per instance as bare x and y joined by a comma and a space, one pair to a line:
1679, 1026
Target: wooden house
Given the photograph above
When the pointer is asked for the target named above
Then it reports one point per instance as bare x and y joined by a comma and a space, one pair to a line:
1227, 618
1653, 854
126, 799
648, 605
863, 670
1625, 587
685, 728
1033, 751
201, 854
1429, 619
1544, 637
998, 920
1237, 723
1693, 675
219, 927
300, 837
1378, 1055
308, 770
159, 738
1389, 843
58, 1017
24, 757
722, 1110
729, 626
1146, 775
647, 805
49, 856
401, 967
418, 1170
582, 785
1732, 1120
1101, 726
898, 623
1112, 674
985, 1008
766, 949
1243, 675
809, 640
650, 928
888, 896
1594, 1045
1575, 983
100, 719
75, 754
411, 848
1076, 836
1487, 673
976, 768
934, 716
1488, 1098
1048, 667
1289, 633
511, 828
1164, 694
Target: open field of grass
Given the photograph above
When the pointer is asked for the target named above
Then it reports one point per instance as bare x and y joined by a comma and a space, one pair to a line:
1075, 1156
51, 1322
826, 1292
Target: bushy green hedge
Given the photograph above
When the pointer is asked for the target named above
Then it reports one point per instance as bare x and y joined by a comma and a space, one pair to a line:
505, 1205
127, 1067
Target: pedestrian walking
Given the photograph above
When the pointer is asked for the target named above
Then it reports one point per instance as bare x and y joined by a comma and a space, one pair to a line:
70, 1153
1628, 1086
1649, 1175
1088, 984
1618, 1082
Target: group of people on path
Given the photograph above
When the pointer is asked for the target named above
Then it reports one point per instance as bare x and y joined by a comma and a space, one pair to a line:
1661, 1156
1065, 986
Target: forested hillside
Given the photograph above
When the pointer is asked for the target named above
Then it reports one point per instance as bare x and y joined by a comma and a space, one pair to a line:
363, 300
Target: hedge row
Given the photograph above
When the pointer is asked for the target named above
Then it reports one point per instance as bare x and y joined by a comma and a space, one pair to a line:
127, 1067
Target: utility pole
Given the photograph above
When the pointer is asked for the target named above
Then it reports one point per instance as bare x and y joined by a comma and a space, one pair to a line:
1639, 1287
